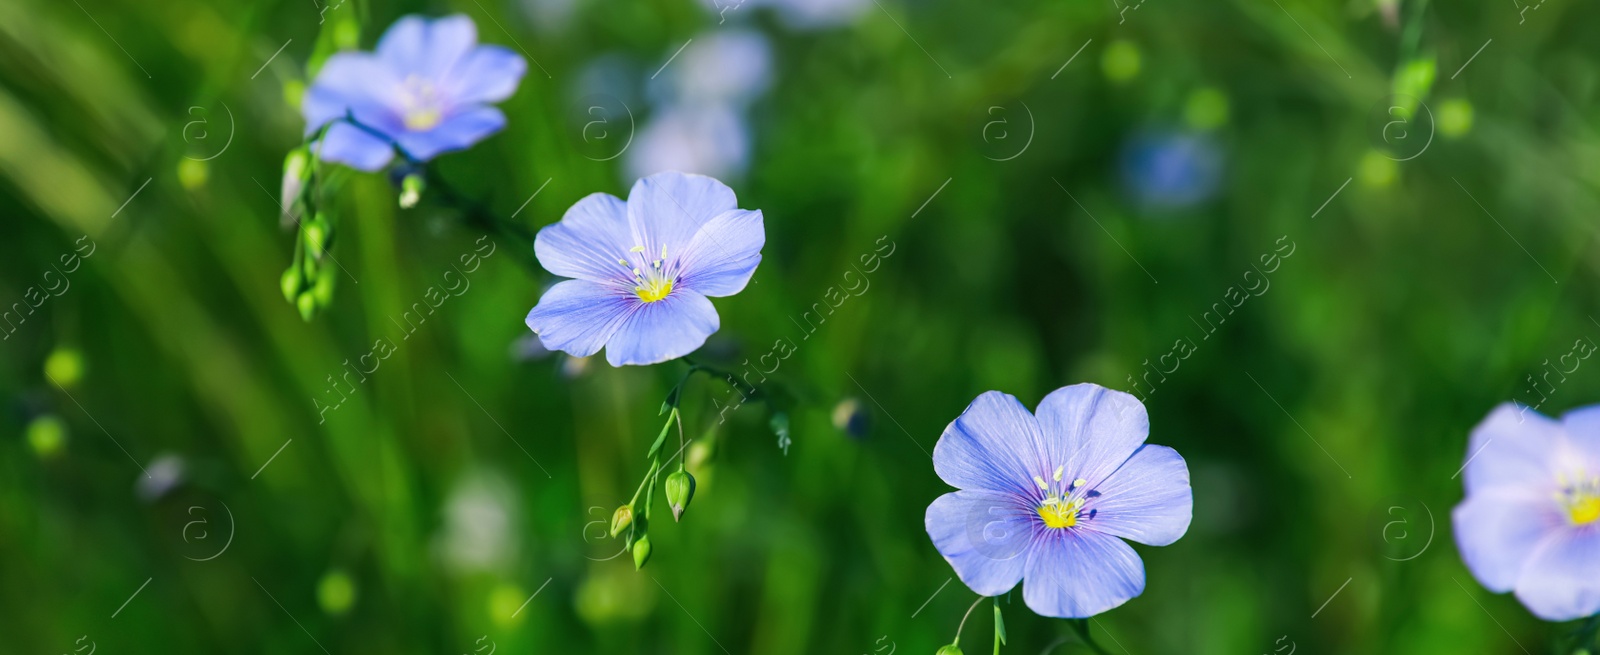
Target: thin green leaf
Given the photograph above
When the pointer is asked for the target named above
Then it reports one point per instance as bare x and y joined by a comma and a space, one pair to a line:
661, 438
999, 626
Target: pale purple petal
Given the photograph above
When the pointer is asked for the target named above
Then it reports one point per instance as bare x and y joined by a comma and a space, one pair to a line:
458, 131
588, 241
353, 147
1562, 578
351, 82
1497, 530
1582, 426
984, 535
1513, 447
668, 209
666, 329
418, 46
1148, 500
723, 255
993, 446
1091, 430
487, 74
1074, 574
578, 316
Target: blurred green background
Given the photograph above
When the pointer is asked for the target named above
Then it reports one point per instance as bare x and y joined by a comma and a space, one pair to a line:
1069, 188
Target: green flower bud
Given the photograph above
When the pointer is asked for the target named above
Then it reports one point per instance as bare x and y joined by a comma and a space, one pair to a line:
1120, 61
293, 91
411, 190
323, 289
294, 179
1206, 109
192, 173
290, 282
336, 593
1455, 117
680, 490
621, 519
505, 601
641, 552
307, 304
317, 235
65, 366
951, 649
309, 265
47, 435
1378, 170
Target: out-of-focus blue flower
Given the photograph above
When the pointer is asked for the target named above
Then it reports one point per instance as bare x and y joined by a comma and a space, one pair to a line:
481, 527
817, 14
1531, 520
852, 418
712, 141
643, 269
1170, 169
1051, 497
796, 14
528, 348
613, 75
549, 16
427, 88
730, 67
164, 473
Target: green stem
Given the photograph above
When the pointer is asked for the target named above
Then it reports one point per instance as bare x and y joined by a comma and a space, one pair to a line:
750, 391
1081, 626
678, 417
475, 212
998, 629
654, 464
653, 479
963, 623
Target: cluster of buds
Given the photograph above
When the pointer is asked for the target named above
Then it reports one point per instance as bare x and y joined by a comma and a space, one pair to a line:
309, 281
633, 527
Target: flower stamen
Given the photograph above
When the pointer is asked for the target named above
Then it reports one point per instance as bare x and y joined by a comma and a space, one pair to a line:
1060, 508
1581, 499
421, 104
653, 283
1058, 513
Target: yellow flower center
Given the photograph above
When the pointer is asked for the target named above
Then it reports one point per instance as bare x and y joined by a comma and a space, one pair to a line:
421, 104
652, 282
653, 290
1585, 510
1581, 499
1057, 514
421, 120
1060, 508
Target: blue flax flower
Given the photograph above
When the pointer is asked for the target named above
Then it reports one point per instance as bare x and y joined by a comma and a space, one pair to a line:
643, 268
1051, 497
426, 88
1531, 520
